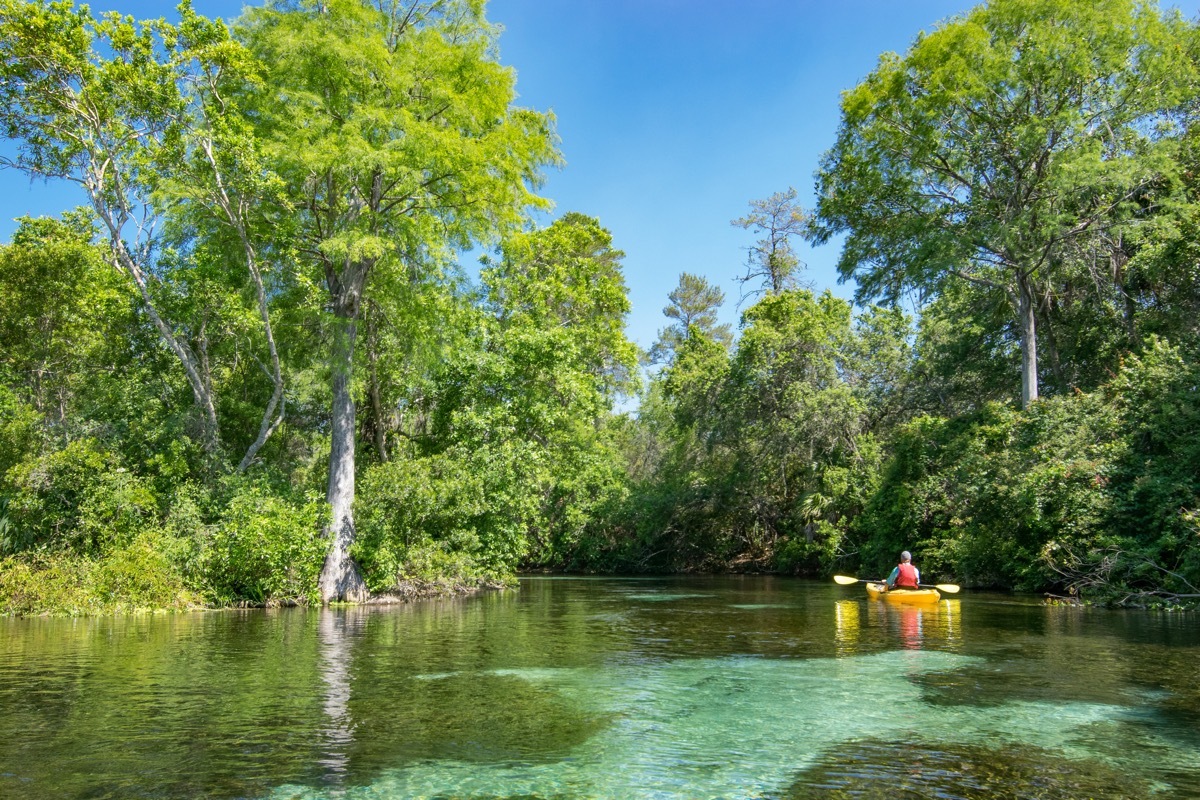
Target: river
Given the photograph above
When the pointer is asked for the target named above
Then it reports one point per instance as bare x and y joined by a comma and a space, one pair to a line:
731, 687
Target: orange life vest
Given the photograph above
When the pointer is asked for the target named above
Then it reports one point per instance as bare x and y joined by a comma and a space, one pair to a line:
907, 579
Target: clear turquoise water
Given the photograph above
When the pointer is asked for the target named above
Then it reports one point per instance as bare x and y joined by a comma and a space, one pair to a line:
608, 688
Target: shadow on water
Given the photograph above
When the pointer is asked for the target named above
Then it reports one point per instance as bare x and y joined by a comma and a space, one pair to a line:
234, 704
376, 716
184, 705
880, 770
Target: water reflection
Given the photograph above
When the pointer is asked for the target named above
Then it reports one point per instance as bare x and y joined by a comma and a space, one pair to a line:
572, 689
915, 627
912, 627
846, 631
334, 640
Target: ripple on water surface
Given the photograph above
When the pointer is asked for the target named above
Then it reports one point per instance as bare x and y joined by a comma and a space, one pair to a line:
748, 727
587, 689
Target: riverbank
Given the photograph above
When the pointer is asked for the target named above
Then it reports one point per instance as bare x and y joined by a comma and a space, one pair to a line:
64, 586
60, 586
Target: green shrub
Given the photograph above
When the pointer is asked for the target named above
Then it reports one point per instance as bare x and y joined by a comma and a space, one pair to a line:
135, 577
983, 497
796, 554
1092, 492
264, 549
141, 575
77, 498
1155, 483
19, 432
46, 584
424, 518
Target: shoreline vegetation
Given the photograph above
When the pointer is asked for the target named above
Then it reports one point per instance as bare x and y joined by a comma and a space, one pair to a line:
41, 596
252, 371
26, 593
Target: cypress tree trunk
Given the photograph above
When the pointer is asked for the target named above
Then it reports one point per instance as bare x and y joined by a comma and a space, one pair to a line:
340, 578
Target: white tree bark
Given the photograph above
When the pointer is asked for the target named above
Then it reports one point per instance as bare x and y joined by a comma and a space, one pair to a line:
340, 578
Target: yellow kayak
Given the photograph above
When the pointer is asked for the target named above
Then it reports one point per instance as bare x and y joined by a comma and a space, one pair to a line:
920, 596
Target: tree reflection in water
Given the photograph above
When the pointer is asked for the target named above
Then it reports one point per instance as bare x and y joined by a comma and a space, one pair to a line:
336, 631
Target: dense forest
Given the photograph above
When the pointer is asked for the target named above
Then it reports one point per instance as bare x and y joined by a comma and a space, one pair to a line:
251, 369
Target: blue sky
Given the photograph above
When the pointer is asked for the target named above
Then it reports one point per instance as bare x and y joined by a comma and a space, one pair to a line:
673, 115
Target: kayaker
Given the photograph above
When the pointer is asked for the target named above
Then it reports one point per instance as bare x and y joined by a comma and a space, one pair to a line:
904, 575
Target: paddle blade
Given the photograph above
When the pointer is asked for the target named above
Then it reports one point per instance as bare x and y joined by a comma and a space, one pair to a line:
846, 580
948, 588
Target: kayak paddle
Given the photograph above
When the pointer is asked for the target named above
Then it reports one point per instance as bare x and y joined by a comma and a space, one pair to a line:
948, 588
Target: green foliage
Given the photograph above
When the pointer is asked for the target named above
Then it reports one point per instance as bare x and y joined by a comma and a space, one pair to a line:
142, 116
47, 584
772, 260
429, 518
1156, 485
966, 352
976, 155
525, 422
20, 431
878, 364
395, 137
57, 301
310, 178
1092, 492
356, 95
694, 380
130, 578
756, 460
515, 459
106, 444
984, 496
141, 575
567, 278
77, 498
787, 414
693, 304
264, 548
799, 554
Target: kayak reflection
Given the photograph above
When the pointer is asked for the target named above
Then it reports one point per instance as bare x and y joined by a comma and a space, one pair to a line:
936, 625
846, 615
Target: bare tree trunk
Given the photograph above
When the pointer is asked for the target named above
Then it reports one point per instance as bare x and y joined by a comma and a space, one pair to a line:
270, 419
340, 578
1119, 261
1029, 360
125, 262
235, 212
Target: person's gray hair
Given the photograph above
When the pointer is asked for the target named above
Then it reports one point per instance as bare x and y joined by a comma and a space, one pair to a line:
906, 556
